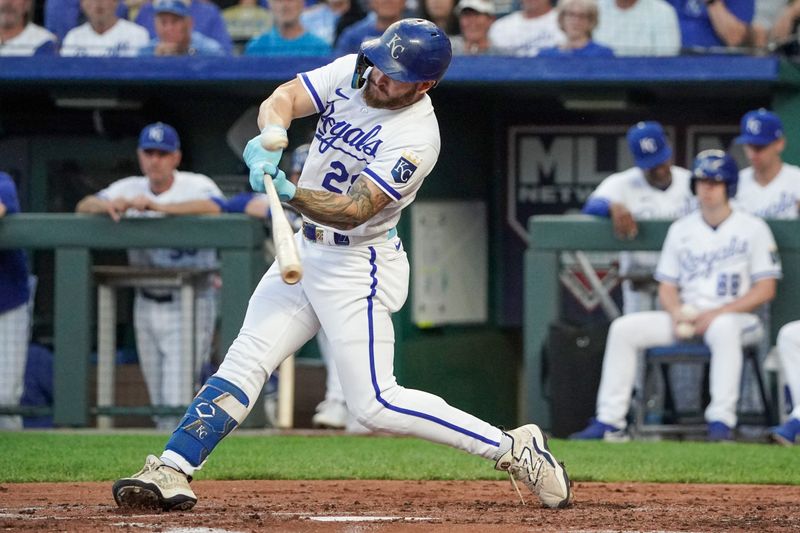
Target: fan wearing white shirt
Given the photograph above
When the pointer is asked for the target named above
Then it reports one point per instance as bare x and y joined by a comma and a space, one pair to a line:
525, 32
104, 34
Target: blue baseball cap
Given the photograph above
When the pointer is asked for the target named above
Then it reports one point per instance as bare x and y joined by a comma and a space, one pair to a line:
648, 144
176, 7
159, 136
760, 127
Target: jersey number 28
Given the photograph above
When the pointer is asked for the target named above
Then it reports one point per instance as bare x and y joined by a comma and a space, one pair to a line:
728, 284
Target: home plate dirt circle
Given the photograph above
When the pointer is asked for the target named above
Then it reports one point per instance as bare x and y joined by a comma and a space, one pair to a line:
389, 506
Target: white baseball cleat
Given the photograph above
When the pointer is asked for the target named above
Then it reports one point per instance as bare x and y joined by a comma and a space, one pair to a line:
330, 414
529, 460
155, 486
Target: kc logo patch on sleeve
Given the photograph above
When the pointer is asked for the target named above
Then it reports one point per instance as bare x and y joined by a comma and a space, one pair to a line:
405, 167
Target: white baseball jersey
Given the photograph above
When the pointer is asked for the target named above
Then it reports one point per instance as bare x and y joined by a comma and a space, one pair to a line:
778, 199
396, 149
645, 202
514, 34
714, 266
187, 186
123, 39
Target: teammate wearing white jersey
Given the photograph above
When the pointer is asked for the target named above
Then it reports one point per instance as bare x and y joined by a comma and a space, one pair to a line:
769, 187
18, 36
157, 313
722, 261
104, 34
653, 189
377, 138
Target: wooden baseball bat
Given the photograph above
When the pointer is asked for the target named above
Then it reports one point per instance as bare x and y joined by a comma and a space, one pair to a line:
282, 237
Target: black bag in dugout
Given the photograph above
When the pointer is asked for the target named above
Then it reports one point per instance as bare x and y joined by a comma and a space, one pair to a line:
574, 359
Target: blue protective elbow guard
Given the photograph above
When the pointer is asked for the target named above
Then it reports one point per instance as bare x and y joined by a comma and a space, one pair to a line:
217, 409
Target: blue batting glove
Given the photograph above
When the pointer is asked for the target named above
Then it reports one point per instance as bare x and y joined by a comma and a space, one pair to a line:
283, 186
260, 162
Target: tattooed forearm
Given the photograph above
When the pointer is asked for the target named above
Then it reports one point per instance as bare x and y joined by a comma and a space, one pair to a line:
341, 211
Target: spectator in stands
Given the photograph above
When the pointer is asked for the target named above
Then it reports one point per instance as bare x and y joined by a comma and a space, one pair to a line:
713, 23
354, 14
442, 13
14, 313
18, 36
577, 19
176, 37
104, 34
654, 188
475, 17
525, 32
384, 13
768, 188
163, 189
322, 18
785, 28
246, 19
207, 19
288, 36
723, 262
766, 15
638, 27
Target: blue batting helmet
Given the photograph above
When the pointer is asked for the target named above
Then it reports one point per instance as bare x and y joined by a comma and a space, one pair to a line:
410, 50
716, 165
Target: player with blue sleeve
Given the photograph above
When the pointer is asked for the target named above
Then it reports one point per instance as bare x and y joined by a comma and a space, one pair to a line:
653, 189
14, 315
376, 140
724, 263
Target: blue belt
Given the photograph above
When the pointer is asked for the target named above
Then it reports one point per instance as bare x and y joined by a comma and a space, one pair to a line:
315, 233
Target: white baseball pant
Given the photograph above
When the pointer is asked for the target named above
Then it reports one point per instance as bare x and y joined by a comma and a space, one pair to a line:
631, 334
351, 293
789, 351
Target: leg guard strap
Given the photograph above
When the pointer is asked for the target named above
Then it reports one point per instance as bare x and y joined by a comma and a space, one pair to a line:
217, 409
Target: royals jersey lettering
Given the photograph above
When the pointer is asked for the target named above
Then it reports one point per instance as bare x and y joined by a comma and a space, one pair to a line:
714, 266
777, 199
396, 149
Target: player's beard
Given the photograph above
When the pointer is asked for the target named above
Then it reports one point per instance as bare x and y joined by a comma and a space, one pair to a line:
378, 99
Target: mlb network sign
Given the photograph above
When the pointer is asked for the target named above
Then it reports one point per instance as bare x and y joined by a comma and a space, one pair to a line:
554, 169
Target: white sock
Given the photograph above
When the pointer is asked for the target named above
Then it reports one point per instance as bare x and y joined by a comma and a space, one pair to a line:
505, 445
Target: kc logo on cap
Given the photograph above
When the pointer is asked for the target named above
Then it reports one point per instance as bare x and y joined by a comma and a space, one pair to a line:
159, 136
760, 128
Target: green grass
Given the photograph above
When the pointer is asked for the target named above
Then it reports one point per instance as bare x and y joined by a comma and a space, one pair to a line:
69, 456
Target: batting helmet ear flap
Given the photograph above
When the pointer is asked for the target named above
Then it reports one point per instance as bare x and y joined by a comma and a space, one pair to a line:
363, 64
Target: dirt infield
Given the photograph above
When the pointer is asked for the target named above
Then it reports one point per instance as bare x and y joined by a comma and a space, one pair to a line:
386, 506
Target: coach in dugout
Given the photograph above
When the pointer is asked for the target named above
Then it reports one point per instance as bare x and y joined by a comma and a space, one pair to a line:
164, 190
14, 317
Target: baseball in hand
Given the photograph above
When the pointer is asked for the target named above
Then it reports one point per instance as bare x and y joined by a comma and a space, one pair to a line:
689, 312
273, 137
684, 330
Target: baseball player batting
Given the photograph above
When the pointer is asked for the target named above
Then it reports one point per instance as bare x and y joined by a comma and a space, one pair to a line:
376, 140
723, 263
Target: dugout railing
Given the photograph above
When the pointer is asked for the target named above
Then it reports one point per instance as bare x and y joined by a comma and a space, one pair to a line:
238, 238
551, 235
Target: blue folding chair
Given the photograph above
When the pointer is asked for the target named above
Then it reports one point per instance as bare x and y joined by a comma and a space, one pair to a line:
662, 357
